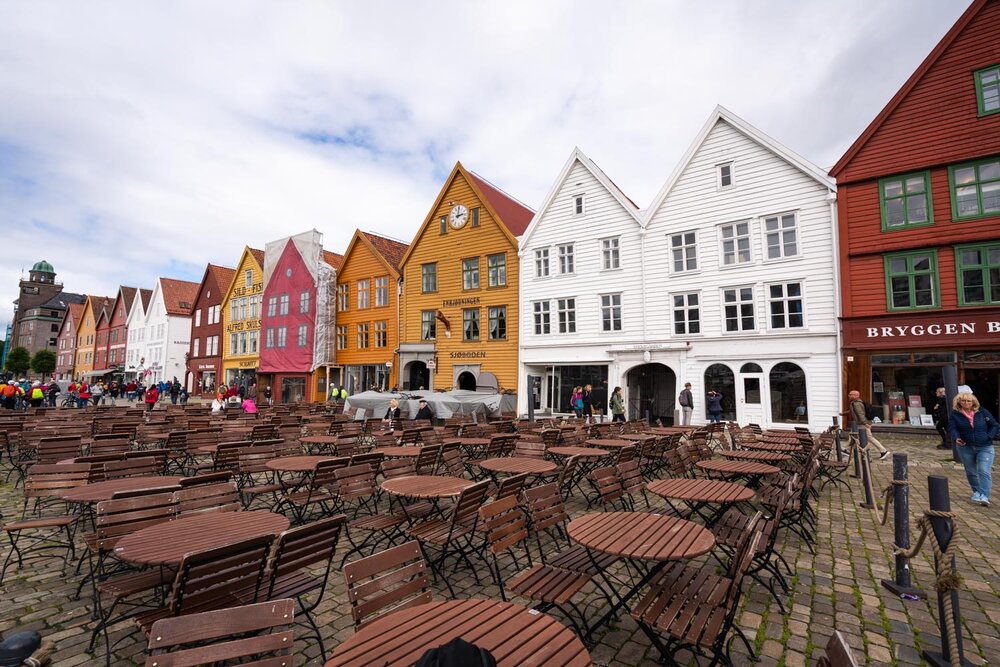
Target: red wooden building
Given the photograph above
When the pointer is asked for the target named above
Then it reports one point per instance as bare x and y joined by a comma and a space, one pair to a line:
66, 343
117, 327
204, 358
102, 317
919, 228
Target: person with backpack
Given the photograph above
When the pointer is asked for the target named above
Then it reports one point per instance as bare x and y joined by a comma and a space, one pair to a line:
686, 401
617, 405
83, 395
9, 393
861, 412
36, 396
175, 391
974, 429
576, 401
52, 391
151, 396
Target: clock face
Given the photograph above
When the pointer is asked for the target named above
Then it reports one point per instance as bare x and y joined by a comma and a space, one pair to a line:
459, 216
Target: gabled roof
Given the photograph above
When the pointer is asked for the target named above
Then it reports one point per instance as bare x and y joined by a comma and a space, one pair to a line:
910, 84
512, 215
258, 255
223, 275
127, 296
145, 295
391, 250
332, 258
97, 305
63, 299
73, 313
578, 156
178, 295
724, 115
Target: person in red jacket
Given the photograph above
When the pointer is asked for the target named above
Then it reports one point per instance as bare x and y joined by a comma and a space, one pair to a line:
151, 397
83, 398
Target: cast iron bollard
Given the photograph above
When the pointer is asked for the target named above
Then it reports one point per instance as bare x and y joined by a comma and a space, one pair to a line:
866, 475
902, 585
949, 375
836, 440
855, 454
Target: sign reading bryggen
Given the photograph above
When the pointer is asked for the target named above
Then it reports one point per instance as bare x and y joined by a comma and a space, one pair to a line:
924, 329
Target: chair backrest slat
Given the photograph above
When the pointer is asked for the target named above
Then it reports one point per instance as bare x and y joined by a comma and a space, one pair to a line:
387, 581
221, 497
504, 523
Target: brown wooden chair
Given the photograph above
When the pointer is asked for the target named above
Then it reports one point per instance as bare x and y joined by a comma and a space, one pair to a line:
135, 467
258, 635
427, 459
450, 462
54, 450
46, 530
453, 535
204, 498
318, 494
159, 454
630, 478
511, 486
113, 443
207, 478
293, 570
505, 526
385, 582
356, 489
255, 479
838, 653
608, 487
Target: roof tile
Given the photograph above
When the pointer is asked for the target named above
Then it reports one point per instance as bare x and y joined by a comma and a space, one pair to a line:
392, 251
178, 295
513, 214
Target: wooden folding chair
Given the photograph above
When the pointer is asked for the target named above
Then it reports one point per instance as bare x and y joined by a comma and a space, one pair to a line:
204, 498
385, 582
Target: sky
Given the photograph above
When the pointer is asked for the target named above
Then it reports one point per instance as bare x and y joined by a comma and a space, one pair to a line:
146, 139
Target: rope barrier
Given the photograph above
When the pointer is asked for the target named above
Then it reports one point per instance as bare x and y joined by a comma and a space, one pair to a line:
948, 579
888, 498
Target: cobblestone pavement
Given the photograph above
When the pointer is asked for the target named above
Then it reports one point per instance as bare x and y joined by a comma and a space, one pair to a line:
837, 588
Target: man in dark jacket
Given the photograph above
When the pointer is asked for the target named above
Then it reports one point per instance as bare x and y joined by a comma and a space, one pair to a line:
424, 412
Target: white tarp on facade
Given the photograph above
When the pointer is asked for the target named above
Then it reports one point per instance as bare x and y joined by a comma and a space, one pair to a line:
443, 404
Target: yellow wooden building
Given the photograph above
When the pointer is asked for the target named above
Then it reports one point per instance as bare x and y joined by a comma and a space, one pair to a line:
368, 312
460, 299
241, 320
86, 333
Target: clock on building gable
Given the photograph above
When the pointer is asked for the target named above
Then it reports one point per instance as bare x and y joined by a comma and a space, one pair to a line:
459, 216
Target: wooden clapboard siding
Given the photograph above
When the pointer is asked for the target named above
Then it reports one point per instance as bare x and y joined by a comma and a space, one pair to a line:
251, 260
86, 334
448, 250
363, 262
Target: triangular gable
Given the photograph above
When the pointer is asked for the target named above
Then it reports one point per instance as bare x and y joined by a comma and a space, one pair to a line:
909, 85
722, 114
480, 188
257, 256
74, 312
575, 156
369, 241
146, 295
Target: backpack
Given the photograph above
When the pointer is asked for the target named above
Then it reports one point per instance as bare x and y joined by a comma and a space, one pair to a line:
682, 400
457, 653
870, 411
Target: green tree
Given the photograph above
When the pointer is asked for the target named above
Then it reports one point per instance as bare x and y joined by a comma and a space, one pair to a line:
18, 361
43, 363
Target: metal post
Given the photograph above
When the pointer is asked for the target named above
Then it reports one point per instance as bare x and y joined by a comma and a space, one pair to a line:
649, 418
950, 375
939, 500
857, 453
837, 442
866, 473
532, 380
902, 585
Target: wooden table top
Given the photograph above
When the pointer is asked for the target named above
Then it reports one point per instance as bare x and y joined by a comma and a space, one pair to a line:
637, 437
166, 543
670, 430
701, 490
319, 439
641, 535
585, 452
736, 467
99, 491
518, 464
770, 447
515, 635
426, 486
405, 451
744, 455
296, 463
471, 442
608, 442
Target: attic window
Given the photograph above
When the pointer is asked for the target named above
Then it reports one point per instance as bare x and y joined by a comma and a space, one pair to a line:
444, 224
578, 205
475, 216
248, 277
724, 176
185, 304
988, 90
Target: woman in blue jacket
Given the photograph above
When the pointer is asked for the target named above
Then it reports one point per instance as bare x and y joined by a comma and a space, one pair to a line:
973, 429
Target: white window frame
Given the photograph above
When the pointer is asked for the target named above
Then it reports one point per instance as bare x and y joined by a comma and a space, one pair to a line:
542, 318
364, 294
567, 259
470, 273
686, 308
381, 291
363, 339
566, 315
282, 304
282, 336
343, 297
611, 311
739, 302
496, 270
197, 317
342, 337
780, 232
735, 239
470, 319
579, 204
687, 251
785, 299
611, 253
495, 315
381, 334
248, 278
542, 262
719, 174
428, 325
303, 336
269, 338
272, 306
196, 351
304, 300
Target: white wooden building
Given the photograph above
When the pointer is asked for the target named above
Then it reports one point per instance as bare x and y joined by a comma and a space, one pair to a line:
727, 281
162, 331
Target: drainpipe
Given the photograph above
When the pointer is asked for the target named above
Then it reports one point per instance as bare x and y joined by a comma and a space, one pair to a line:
399, 340
831, 199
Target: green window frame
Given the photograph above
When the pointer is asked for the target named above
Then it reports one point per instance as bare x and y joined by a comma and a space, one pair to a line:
977, 269
988, 90
905, 201
975, 189
911, 280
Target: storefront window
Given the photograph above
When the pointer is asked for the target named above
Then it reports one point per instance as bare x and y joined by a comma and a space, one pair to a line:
789, 402
562, 379
719, 377
903, 385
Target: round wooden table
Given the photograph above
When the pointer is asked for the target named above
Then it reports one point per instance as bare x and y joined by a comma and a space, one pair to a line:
166, 543
770, 447
318, 439
296, 463
606, 443
471, 442
513, 634
515, 465
100, 491
700, 490
401, 452
637, 437
426, 486
583, 452
764, 457
738, 468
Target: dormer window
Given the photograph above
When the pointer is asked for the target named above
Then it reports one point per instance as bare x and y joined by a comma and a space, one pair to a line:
988, 90
578, 205
724, 176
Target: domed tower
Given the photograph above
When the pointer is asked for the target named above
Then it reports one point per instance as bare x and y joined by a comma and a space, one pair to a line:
42, 272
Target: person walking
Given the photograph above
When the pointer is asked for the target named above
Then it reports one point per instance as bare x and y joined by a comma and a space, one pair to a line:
151, 396
713, 403
974, 429
940, 412
588, 402
617, 405
53, 393
83, 395
175, 391
860, 413
576, 401
686, 400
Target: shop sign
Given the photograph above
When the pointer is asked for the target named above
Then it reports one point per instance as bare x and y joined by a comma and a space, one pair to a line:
206, 367
951, 329
468, 301
247, 364
468, 355
253, 289
244, 325
431, 365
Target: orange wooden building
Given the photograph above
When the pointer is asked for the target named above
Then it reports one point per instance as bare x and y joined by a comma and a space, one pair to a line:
460, 297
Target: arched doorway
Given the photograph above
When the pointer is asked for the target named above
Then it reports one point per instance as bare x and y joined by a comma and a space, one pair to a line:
652, 388
720, 378
467, 380
787, 384
418, 376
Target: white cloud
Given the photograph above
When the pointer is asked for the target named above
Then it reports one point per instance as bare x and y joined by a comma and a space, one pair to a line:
145, 139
